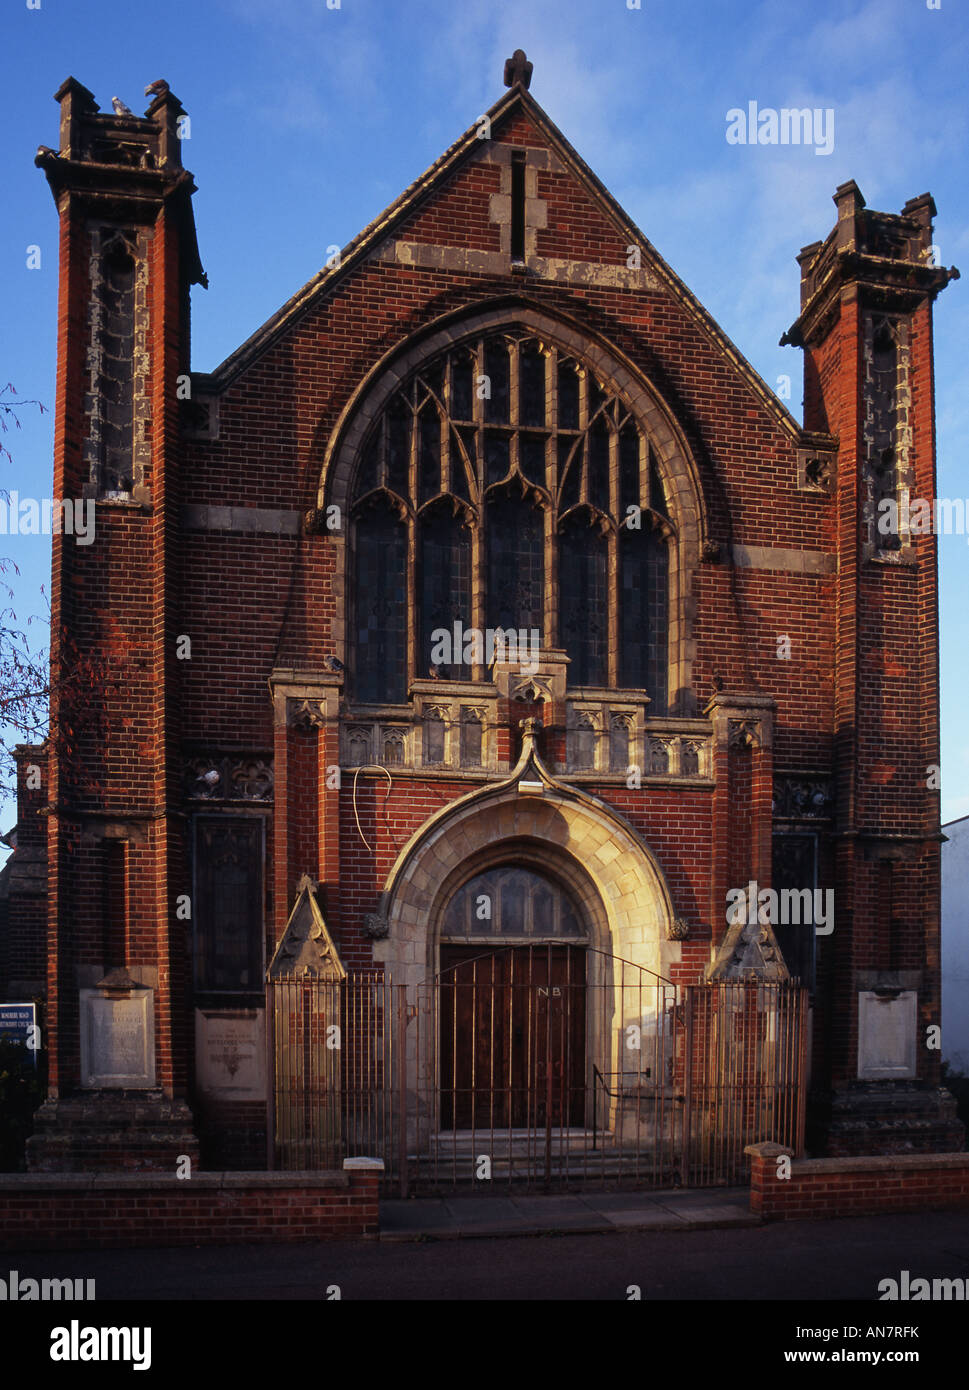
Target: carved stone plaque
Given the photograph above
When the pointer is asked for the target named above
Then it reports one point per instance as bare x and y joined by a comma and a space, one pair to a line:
230, 1053
118, 1039
886, 1035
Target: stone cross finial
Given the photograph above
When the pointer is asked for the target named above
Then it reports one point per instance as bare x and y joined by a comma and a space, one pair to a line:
518, 69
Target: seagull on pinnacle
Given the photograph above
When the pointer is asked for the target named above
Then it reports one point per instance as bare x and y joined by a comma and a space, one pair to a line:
518, 69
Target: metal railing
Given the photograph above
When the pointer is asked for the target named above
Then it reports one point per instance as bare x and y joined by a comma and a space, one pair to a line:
534, 1067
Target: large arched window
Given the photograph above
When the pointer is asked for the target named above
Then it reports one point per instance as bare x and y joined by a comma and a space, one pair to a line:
506, 486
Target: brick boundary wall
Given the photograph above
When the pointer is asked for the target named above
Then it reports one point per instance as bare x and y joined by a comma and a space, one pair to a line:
74, 1211
823, 1187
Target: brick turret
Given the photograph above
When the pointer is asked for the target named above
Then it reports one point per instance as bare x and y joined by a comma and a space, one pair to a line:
866, 329
128, 255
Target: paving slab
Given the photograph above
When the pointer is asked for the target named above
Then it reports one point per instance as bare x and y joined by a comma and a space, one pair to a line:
467, 1217
644, 1220
620, 1201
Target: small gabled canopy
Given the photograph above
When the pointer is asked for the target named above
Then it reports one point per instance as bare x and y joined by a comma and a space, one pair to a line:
749, 951
306, 947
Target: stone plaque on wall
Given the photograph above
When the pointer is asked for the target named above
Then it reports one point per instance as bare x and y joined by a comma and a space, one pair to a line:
230, 1053
887, 1035
118, 1039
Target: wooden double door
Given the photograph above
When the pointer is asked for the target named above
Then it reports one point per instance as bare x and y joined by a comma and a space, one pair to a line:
512, 1036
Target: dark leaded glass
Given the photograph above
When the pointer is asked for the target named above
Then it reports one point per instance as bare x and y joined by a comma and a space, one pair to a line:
531, 457
433, 378
497, 370
116, 378
459, 469
380, 591
657, 621
568, 397
629, 485
368, 474
496, 457
462, 387
599, 465
428, 454
643, 566
511, 901
426, 447
229, 904
531, 407
583, 601
399, 420
444, 583
516, 564
570, 473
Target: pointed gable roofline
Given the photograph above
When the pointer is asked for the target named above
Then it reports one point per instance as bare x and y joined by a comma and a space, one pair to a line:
517, 100
306, 947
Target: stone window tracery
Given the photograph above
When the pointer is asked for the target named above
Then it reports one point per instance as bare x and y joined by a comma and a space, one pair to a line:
505, 486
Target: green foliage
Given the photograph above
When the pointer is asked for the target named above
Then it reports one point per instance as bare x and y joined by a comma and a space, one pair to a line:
22, 1088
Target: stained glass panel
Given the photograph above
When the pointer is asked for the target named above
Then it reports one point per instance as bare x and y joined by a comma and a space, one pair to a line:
380, 591
516, 564
583, 601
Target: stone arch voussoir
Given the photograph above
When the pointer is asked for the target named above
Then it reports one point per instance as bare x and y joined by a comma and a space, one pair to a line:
611, 873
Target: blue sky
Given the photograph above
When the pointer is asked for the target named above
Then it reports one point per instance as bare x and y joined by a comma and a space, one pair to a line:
308, 120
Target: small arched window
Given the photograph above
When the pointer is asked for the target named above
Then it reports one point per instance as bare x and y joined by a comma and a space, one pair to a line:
505, 487
512, 902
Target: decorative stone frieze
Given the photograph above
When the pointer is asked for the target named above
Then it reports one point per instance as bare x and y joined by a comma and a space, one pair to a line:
802, 798
614, 735
229, 777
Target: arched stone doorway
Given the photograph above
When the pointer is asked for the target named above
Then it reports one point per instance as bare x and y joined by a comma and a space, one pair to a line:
591, 922
512, 1002
583, 844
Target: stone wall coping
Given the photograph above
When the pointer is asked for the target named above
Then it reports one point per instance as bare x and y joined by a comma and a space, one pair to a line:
882, 1163
12, 1184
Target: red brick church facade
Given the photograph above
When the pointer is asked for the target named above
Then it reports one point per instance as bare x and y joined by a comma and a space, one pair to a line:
497, 409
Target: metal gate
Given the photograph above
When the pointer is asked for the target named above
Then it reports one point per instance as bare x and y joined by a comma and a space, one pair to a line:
534, 1067
744, 1068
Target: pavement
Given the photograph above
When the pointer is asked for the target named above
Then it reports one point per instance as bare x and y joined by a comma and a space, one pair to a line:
460, 1217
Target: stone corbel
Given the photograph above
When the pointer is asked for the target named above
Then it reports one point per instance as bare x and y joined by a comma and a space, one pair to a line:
742, 721
305, 699
306, 714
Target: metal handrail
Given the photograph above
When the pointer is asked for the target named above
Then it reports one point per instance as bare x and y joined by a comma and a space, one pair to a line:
596, 1078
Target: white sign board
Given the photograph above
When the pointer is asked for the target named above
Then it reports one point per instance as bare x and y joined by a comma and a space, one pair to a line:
118, 1039
887, 1035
